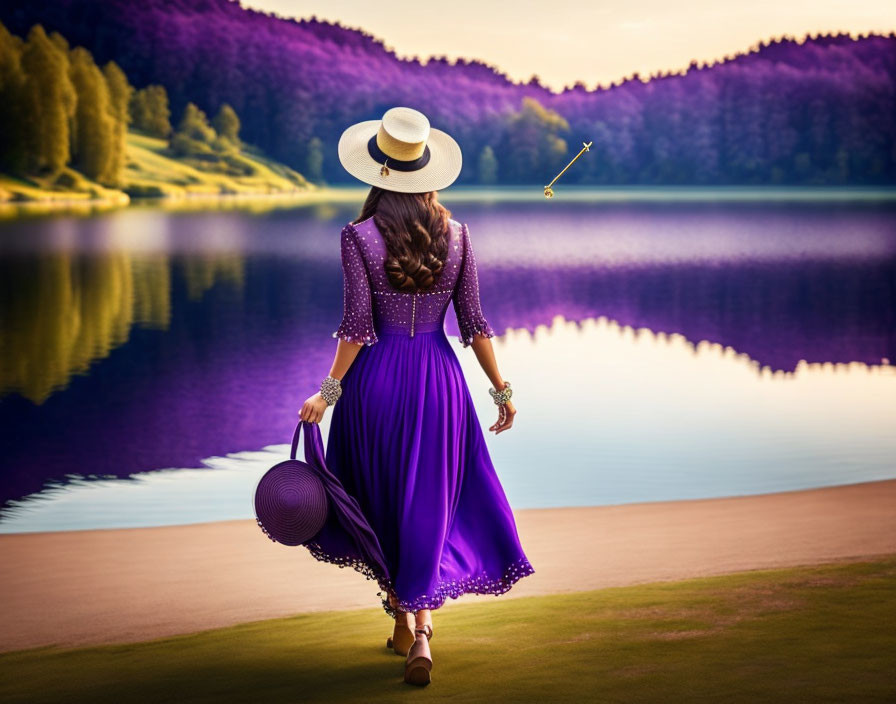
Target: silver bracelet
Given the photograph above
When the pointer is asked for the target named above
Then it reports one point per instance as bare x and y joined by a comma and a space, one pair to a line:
331, 390
502, 396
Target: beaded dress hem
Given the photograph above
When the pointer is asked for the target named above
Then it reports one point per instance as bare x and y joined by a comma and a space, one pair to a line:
321, 555
481, 327
348, 337
483, 583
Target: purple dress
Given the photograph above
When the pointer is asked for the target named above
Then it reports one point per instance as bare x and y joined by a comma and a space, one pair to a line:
405, 440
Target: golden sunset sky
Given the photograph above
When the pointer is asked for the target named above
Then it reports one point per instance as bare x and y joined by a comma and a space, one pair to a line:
596, 42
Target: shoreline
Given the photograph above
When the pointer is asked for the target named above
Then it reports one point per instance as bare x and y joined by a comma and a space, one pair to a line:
98, 204
466, 193
134, 584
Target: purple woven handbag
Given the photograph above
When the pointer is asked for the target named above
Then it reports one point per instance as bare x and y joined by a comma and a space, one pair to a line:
295, 501
290, 499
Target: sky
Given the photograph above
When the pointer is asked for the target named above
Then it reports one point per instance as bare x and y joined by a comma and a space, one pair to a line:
596, 42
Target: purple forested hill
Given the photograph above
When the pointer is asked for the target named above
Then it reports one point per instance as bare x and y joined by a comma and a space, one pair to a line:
818, 112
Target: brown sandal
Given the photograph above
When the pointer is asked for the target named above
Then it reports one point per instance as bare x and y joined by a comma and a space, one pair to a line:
418, 669
429, 632
402, 634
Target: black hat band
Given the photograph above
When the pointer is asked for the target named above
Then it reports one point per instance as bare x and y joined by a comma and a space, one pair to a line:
382, 158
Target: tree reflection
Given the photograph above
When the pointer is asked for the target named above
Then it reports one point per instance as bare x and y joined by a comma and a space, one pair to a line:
62, 312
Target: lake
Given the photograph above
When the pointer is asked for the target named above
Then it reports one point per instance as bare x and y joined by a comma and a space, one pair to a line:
660, 348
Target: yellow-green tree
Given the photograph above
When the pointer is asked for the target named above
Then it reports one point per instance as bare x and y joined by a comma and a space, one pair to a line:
48, 102
93, 133
150, 112
194, 136
13, 157
488, 165
314, 162
533, 142
139, 109
120, 92
227, 124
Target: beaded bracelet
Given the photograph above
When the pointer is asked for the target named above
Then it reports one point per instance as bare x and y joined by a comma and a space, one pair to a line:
330, 390
503, 396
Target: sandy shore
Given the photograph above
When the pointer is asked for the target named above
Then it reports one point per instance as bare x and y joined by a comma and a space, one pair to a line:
108, 586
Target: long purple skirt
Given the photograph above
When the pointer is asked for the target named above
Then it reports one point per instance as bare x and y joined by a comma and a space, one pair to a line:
406, 443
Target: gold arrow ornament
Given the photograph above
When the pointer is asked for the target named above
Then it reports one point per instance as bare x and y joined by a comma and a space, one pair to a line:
548, 191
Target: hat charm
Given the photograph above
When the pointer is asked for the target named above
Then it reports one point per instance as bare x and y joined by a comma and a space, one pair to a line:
384, 170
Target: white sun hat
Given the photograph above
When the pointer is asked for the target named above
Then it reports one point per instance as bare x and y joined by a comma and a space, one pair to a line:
400, 152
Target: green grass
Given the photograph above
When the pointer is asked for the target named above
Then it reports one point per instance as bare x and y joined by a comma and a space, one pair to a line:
808, 634
41, 190
152, 173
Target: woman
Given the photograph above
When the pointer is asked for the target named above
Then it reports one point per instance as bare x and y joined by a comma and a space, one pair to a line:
404, 437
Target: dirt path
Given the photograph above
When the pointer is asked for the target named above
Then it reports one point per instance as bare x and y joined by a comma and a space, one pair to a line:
108, 586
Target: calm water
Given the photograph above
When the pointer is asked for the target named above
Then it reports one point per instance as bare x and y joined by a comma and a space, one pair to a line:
153, 362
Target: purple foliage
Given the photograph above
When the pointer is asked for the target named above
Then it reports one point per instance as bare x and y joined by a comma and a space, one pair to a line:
820, 111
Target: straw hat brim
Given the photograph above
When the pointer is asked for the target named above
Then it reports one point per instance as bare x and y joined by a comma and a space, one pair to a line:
440, 172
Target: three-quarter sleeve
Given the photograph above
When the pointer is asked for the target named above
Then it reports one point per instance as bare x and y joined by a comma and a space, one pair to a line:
357, 305
467, 306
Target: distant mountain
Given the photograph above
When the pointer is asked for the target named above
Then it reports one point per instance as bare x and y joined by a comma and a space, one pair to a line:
821, 111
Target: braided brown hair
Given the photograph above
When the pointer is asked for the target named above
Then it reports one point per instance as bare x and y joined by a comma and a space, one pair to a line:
416, 232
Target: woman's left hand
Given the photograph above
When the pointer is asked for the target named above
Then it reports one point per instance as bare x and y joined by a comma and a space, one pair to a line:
506, 412
313, 408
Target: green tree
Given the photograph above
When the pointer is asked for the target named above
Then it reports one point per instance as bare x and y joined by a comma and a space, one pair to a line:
150, 112
93, 128
194, 136
159, 112
227, 124
802, 163
533, 143
120, 92
59, 42
314, 162
139, 110
488, 165
194, 124
49, 101
13, 157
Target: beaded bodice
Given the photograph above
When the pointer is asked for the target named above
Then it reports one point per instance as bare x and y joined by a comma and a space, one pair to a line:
371, 306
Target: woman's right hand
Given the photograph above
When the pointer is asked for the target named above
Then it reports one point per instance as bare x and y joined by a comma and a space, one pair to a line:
506, 412
313, 408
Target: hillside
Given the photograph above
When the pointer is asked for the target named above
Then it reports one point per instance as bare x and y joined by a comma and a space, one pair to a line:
814, 111
152, 172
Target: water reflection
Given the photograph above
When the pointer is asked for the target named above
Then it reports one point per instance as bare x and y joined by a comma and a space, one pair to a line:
142, 340
66, 311
653, 417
